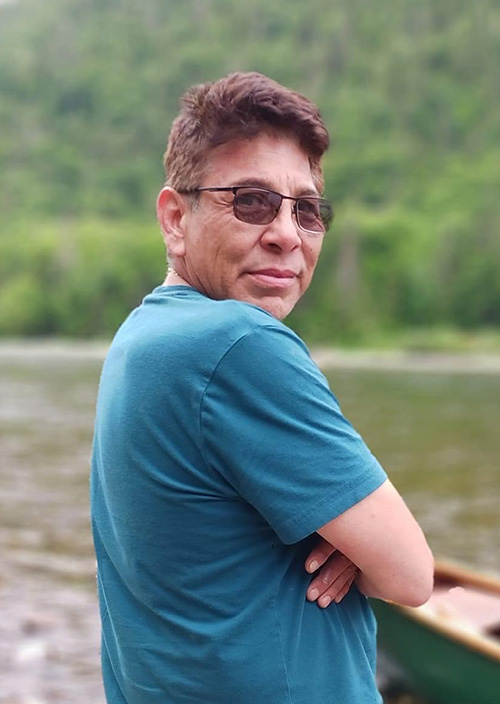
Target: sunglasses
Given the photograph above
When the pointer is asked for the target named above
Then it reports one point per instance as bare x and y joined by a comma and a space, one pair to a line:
260, 206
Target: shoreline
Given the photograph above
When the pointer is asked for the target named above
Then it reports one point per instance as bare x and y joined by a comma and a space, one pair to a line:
408, 361
32, 350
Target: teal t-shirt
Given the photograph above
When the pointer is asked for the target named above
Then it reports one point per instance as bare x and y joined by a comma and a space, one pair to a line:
219, 449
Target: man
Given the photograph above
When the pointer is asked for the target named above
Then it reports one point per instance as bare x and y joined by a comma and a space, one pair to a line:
223, 469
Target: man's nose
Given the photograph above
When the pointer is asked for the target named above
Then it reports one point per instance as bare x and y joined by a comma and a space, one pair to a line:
283, 231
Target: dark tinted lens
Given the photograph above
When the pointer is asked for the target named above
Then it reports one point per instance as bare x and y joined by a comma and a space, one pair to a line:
314, 214
255, 206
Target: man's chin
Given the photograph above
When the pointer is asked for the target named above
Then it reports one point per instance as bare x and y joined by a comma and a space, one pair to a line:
277, 307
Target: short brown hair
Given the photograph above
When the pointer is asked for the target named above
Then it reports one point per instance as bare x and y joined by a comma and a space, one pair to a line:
240, 106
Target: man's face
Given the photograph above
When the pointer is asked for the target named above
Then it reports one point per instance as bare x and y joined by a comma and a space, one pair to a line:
270, 266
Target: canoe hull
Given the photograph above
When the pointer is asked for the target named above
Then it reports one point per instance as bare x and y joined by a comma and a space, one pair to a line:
449, 649
440, 669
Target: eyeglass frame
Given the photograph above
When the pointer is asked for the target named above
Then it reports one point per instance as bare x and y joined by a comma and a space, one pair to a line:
234, 190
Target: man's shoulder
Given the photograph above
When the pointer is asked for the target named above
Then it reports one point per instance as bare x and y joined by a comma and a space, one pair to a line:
211, 319
182, 323
245, 316
250, 327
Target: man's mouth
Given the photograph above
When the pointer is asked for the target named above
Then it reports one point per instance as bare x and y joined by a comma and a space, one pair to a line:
277, 278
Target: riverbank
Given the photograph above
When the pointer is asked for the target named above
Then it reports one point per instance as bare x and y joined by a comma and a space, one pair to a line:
32, 350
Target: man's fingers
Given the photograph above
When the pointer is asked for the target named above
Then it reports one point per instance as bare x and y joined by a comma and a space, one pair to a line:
333, 581
319, 555
330, 581
341, 594
335, 576
336, 593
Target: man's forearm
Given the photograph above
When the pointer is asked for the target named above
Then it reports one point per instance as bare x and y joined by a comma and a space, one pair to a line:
366, 587
380, 536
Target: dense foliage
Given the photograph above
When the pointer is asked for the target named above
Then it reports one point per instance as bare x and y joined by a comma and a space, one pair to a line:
88, 89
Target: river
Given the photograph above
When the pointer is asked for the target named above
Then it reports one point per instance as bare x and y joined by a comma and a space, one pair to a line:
433, 423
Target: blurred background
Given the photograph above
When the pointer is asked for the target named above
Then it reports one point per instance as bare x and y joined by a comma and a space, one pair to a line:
410, 272
409, 91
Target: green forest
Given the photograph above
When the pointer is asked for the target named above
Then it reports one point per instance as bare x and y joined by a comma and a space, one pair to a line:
409, 90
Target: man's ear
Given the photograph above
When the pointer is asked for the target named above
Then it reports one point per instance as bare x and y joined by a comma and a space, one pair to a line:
171, 209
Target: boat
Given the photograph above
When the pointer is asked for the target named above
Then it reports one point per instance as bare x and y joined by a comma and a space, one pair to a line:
448, 650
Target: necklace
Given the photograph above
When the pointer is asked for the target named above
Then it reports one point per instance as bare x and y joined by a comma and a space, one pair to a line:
171, 270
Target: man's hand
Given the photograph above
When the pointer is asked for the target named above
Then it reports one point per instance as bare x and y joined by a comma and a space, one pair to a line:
335, 577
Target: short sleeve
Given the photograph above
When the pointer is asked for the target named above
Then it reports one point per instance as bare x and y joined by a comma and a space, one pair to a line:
271, 426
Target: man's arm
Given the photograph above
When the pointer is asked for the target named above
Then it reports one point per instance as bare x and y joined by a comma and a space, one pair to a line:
382, 538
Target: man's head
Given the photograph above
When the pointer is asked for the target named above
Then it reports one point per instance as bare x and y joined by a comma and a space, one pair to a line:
236, 107
247, 244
